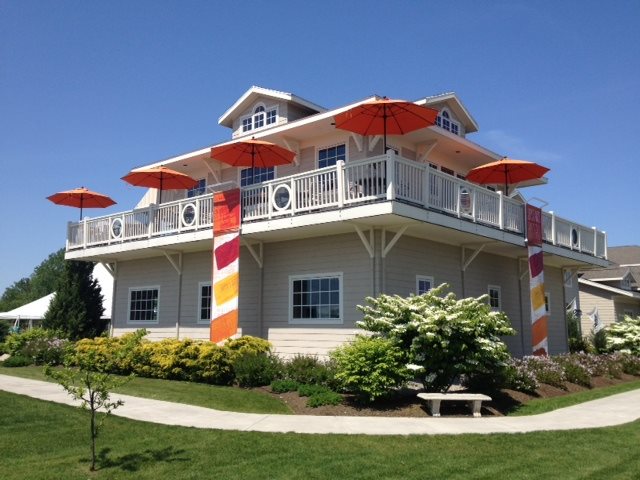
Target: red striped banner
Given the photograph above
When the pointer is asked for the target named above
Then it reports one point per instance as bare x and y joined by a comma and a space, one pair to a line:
539, 319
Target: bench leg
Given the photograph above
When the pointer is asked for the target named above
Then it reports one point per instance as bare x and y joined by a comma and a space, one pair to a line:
476, 405
434, 407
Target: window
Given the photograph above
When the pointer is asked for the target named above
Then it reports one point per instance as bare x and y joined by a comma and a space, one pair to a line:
448, 171
259, 118
316, 298
494, 297
143, 304
198, 189
250, 176
444, 120
423, 284
329, 156
547, 303
204, 302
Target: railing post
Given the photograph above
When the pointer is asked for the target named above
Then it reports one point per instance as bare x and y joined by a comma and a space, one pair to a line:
473, 204
500, 211
606, 254
427, 185
595, 241
84, 233
197, 214
269, 203
553, 227
391, 175
66, 245
152, 220
293, 200
340, 181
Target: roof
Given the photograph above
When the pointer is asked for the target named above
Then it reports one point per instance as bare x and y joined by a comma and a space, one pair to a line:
626, 260
606, 274
470, 125
617, 291
253, 93
31, 311
625, 255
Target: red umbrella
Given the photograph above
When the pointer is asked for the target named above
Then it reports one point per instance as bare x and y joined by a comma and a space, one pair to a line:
252, 153
81, 198
506, 171
384, 116
162, 178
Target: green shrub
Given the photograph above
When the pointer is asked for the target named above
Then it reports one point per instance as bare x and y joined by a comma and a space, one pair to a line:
311, 390
248, 344
324, 398
284, 386
546, 370
520, 376
256, 369
599, 341
446, 336
309, 369
370, 367
4, 331
624, 336
18, 361
16, 341
574, 370
47, 351
215, 365
630, 364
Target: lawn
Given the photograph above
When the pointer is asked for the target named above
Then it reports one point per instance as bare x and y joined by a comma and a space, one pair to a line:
202, 395
42, 440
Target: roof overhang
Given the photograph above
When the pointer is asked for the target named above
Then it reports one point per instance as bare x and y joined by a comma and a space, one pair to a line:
617, 291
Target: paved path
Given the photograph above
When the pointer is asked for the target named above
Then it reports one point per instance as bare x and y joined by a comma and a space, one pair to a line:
613, 410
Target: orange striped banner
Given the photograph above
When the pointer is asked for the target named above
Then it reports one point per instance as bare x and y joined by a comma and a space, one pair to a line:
539, 318
226, 255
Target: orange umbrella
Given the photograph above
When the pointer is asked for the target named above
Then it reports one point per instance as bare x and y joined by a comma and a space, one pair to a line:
162, 178
81, 198
252, 153
384, 116
506, 171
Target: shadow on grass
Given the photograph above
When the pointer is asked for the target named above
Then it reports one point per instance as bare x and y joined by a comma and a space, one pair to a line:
132, 462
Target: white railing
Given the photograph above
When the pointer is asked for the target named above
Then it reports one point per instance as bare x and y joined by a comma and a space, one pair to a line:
176, 217
385, 177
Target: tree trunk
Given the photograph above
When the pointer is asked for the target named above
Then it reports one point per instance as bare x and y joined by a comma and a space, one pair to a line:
93, 433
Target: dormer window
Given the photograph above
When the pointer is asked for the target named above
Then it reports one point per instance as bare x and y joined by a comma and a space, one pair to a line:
259, 118
445, 121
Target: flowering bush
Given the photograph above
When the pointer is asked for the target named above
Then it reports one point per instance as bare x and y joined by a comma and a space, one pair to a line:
575, 371
40, 346
546, 370
624, 336
521, 376
446, 336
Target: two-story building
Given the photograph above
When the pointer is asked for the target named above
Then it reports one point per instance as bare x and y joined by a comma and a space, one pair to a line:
323, 233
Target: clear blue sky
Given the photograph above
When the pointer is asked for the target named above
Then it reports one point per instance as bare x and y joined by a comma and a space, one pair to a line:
90, 89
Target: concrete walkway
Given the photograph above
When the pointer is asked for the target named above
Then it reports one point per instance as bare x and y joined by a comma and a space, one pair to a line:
609, 411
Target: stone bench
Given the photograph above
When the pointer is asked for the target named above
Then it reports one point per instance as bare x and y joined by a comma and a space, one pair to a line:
474, 399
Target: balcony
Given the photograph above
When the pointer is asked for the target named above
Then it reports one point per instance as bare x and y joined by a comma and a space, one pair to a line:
378, 179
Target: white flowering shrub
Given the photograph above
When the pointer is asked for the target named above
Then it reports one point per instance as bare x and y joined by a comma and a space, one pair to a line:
624, 336
445, 335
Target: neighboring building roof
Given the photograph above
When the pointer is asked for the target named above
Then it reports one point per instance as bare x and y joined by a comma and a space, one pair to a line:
617, 291
253, 93
606, 274
626, 260
470, 125
625, 255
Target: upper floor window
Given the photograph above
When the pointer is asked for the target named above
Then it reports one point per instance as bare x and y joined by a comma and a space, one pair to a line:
198, 189
445, 121
249, 176
259, 118
423, 284
328, 157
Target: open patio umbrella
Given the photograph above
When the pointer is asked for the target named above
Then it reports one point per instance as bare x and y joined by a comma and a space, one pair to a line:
252, 153
386, 117
506, 171
162, 178
81, 198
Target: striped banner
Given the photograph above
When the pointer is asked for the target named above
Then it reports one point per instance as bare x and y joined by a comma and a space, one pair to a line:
539, 319
226, 255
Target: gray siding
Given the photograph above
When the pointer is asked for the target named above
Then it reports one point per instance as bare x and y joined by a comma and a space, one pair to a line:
591, 298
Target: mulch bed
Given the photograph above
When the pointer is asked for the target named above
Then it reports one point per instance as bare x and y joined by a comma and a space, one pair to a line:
406, 404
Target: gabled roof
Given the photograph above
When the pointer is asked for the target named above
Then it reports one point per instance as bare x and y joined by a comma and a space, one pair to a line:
453, 102
617, 291
625, 255
254, 93
607, 274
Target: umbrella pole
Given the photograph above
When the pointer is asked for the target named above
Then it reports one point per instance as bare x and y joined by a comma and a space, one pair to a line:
160, 196
81, 199
384, 127
253, 164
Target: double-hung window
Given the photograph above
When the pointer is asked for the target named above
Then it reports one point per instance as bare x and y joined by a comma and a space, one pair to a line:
204, 302
198, 189
315, 298
423, 284
328, 157
249, 176
495, 300
143, 304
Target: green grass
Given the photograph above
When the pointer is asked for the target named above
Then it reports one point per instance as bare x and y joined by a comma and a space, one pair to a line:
202, 395
543, 405
41, 440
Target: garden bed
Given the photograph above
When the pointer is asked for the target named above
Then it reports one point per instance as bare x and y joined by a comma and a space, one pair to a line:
406, 403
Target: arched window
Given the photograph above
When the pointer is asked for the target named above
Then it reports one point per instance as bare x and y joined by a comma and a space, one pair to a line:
259, 118
444, 120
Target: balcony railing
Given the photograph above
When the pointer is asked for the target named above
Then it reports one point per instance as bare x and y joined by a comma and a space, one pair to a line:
386, 177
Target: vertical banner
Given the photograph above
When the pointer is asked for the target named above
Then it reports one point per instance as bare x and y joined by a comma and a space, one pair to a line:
539, 318
225, 282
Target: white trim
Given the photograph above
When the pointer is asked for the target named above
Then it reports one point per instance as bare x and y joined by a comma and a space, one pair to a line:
143, 322
324, 147
424, 278
199, 320
499, 290
619, 291
317, 321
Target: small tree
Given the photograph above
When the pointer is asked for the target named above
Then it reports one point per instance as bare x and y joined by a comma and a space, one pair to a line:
77, 306
92, 389
624, 336
446, 336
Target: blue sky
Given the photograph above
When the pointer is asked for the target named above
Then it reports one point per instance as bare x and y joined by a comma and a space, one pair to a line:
90, 89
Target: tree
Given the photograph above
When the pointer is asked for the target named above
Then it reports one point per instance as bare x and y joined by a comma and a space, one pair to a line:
93, 390
77, 306
624, 336
447, 337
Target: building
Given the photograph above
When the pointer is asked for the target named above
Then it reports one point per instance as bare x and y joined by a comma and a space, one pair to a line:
609, 294
343, 222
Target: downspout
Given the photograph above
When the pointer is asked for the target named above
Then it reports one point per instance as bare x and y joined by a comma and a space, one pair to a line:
113, 297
